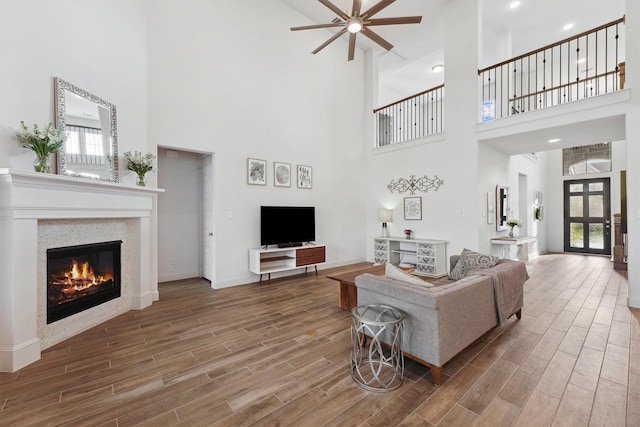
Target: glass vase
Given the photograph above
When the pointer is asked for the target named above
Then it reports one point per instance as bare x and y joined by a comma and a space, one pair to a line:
42, 164
511, 232
140, 180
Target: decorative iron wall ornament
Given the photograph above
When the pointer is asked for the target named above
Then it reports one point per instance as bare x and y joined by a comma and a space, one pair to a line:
413, 184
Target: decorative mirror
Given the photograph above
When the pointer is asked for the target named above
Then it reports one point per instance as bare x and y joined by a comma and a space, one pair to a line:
89, 123
502, 207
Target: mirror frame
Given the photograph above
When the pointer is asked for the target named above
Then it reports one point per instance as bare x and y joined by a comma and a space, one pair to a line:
61, 86
502, 207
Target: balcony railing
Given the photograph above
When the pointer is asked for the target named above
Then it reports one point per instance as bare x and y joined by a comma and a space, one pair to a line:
579, 67
410, 118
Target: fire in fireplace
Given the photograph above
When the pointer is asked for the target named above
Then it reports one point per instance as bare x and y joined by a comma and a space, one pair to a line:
81, 277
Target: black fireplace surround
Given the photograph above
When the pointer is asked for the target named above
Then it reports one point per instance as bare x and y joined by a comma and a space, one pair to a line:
81, 277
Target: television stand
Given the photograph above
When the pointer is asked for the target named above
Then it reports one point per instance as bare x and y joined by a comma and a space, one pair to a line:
266, 261
289, 245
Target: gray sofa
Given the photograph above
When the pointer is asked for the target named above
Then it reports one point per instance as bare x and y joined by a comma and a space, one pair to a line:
443, 320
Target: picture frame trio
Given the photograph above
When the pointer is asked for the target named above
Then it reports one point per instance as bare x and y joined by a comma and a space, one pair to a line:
282, 174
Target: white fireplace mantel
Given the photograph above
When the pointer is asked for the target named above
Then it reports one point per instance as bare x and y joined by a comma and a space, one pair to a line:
27, 198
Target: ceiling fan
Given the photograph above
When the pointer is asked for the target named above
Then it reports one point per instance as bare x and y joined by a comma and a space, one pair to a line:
356, 22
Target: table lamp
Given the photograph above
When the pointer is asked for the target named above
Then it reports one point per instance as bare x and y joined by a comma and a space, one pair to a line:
385, 216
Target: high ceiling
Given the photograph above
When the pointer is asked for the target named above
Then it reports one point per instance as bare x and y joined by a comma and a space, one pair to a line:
406, 69
417, 47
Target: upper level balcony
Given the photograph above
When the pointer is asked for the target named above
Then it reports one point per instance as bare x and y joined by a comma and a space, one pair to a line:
586, 65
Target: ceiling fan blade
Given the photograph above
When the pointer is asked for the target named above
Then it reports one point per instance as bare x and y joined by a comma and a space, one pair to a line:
393, 21
311, 27
355, 9
325, 44
335, 9
352, 46
376, 38
377, 8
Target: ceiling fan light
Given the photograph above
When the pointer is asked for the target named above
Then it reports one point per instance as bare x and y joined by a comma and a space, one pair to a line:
354, 25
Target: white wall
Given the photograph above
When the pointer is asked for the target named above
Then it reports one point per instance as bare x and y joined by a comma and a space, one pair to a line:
214, 87
100, 46
451, 212
179, 225
632, 28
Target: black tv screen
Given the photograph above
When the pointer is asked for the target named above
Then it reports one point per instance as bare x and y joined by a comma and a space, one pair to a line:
287, 225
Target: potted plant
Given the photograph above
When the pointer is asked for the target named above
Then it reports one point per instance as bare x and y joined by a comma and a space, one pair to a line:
43, 142
140, 164
513, 223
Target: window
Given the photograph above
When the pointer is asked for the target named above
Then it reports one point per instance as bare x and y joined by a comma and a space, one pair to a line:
587, 159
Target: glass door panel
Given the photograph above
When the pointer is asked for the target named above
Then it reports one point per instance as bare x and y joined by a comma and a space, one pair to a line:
596, 206
576, 203
577, 235
596, 236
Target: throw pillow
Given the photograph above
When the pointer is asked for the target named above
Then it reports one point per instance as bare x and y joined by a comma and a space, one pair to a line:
470, 262
393, 272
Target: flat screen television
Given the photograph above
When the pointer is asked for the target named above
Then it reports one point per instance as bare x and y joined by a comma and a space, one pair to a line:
287, 225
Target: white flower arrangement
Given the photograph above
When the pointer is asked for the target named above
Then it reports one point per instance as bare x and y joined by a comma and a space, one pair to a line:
138, 163
43, 142
511, 222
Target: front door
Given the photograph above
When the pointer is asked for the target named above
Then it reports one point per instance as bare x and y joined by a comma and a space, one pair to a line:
587, 216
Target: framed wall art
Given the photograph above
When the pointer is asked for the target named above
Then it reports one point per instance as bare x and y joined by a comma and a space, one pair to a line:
413, 208
281, 174
304, 176
256, 171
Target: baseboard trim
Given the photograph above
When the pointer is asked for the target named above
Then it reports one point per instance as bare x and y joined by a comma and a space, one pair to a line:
13, 359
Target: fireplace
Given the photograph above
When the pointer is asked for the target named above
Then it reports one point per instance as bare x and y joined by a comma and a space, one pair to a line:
81, 277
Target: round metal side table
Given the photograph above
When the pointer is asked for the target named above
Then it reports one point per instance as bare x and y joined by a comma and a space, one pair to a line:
376, 352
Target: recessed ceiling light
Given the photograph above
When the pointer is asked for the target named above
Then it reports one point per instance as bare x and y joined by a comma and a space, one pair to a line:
554, 140
437, 68
514, 4
568, 26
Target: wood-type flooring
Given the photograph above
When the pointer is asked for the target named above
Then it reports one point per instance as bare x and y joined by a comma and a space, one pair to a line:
277, 353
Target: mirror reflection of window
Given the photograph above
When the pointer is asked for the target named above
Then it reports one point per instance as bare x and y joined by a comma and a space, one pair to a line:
84, 145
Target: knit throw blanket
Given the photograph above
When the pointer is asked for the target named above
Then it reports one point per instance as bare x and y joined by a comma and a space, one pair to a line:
508, 281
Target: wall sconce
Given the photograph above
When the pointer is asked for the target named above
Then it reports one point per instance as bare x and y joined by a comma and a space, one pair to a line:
385, 216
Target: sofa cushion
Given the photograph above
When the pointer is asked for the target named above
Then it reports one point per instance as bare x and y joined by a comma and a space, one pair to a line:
393, 272
470, 262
